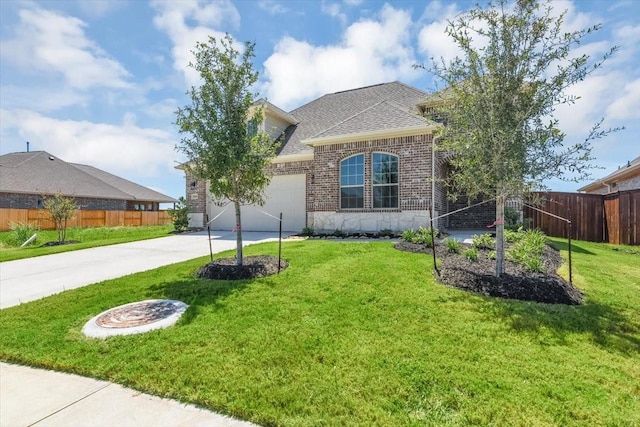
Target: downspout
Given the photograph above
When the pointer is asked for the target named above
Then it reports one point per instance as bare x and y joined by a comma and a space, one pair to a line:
433, 175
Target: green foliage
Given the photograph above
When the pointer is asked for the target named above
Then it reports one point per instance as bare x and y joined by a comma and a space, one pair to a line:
517, 64
21, 232
220, 127
511, 219
511, 236
307, 231
527, 250
483, 241
424, 236
339, 233
471, 254
358, 335
180, 215
60, 210
409, 235
492, 255
453, 245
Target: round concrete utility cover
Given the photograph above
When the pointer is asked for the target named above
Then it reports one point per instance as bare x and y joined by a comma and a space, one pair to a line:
135, 318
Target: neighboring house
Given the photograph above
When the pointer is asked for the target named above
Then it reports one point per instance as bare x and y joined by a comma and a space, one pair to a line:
26, 178
627, 177
356, 160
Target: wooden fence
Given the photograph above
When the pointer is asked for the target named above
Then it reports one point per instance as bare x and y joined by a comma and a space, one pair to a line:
84, 218
611, 218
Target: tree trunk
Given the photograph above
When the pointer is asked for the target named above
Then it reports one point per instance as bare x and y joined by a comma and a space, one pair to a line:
238, 235
500, 235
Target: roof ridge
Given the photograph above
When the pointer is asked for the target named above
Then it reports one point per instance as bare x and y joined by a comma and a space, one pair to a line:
348, 118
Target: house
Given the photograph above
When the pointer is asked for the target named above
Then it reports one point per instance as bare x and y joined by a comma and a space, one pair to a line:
355, 160
627, 177
27, 177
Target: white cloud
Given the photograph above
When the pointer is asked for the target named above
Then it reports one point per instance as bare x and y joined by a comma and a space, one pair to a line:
626, 106
371, 51
272, 7
46, 41
40, 98
353, 2
432, 39
119, 149
334, 10
99, 8
173, 18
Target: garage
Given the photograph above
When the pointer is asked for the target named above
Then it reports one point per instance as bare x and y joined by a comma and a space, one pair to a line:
285, 194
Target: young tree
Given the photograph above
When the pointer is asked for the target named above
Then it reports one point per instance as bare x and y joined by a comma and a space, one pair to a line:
220, 126
180, 215
502, 92
60, 209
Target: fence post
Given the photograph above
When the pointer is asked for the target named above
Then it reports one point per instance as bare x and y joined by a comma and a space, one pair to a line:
280, 244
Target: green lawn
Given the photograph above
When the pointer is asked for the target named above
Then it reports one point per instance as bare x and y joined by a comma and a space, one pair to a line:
87, 238
359, 334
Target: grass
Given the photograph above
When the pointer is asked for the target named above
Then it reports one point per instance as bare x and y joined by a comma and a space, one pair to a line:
87, 237
359, 334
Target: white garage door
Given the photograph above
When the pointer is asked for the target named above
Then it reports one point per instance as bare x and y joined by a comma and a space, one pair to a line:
285, 193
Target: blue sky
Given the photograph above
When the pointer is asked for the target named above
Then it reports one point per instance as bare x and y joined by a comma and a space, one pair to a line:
98, 82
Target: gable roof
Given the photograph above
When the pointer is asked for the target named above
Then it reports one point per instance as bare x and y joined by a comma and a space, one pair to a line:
362, 111
632, 168
39, 172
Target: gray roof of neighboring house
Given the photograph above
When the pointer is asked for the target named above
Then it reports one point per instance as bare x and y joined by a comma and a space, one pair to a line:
632, 168
371, 108
39, 172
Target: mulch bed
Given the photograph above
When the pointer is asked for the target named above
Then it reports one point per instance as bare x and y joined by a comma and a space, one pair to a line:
252, 267
516, 283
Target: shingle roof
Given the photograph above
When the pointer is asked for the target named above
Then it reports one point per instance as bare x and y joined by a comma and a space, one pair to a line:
39, 172
353, 111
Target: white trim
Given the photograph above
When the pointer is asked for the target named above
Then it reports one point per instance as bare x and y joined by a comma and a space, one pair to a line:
287, 158
388, 133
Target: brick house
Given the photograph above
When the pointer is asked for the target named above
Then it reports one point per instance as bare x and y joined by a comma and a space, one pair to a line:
26, 178
627, 177
356, 160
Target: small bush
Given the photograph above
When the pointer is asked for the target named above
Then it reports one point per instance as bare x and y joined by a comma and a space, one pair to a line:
484, 241
492, 255
307, 231
527, 251
21, 232
424, 237
511, 219
180, 215
453, 246
339, 233
409, 235
471, 254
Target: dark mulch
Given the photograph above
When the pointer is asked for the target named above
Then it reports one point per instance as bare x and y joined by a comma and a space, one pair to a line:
56, 243
252, 267
516, 283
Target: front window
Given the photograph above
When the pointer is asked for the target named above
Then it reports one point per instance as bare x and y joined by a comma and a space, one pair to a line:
385, 180
352, 182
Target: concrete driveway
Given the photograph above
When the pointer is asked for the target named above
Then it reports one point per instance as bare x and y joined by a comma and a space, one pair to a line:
34, 278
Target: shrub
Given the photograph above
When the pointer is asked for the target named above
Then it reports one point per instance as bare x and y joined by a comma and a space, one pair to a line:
60, 210
471, 254
484, 241
339, 233
424, 237
453, 246
511, 219
527, 251
180, 215
409, 235
21, 232
492, 255
307, 231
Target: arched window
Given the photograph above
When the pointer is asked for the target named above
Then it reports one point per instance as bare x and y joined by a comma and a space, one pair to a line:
384, 175
352, 182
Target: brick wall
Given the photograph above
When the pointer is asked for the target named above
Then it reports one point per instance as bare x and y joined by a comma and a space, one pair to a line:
33, 201
195, 193
478, 217
414, 155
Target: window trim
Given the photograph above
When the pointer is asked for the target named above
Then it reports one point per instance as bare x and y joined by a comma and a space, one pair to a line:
396, 184
364, 166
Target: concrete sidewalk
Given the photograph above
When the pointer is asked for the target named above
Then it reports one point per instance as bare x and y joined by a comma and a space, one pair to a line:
36, 397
